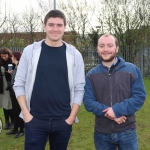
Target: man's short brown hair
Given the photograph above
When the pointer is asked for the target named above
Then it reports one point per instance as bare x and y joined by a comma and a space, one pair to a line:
55, 14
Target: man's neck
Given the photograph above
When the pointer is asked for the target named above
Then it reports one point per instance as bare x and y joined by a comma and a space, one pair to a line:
109, 64
53, 43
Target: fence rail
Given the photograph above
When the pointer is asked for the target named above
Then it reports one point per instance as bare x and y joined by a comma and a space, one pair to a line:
140, 56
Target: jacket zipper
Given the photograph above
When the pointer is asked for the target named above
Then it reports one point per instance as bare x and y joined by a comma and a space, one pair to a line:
110, 84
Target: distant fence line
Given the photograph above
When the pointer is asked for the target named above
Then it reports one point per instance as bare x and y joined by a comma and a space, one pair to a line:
139, 56
20, 49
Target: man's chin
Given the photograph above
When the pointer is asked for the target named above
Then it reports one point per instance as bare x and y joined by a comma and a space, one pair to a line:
107, 59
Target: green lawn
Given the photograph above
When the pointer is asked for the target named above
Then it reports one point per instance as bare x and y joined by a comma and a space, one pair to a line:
82, 135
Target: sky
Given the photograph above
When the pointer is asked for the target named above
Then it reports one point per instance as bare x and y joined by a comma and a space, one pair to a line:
16, 5
19, 6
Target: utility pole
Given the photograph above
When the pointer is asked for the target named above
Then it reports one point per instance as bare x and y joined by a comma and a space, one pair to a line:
0, 8
54, 4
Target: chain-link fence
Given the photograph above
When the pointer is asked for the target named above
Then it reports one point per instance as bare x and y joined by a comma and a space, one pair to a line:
140, 56
20, 49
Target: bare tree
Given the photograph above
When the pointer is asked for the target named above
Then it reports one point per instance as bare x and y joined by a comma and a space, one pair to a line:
30, 24
14, 30
125, 19
44, 7
3, 28
79, 15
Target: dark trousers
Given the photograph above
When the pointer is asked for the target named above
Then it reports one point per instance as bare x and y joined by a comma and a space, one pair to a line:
8, 114
125, 140
18, 122
38, 130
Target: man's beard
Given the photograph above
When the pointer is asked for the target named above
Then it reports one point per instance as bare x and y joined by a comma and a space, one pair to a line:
110, 59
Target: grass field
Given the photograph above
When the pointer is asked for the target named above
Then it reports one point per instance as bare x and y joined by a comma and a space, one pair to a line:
82, 135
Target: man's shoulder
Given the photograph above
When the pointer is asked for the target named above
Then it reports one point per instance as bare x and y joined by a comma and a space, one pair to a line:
131, 66
33, 45
127, 65
71, 49
28, 50
94, 70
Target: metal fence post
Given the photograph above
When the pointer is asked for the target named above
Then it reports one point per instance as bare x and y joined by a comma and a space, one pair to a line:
141, 63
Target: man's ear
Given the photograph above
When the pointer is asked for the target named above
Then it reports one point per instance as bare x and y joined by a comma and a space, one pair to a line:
117, 49
44, 27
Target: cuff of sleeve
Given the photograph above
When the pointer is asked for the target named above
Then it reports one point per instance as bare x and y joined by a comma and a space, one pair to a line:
115, 111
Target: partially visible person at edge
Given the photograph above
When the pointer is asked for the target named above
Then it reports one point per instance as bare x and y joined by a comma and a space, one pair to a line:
49, 86
18, 122
114, 91
5, 101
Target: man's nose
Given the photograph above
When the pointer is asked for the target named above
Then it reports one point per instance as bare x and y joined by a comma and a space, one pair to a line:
105, 48
55, 27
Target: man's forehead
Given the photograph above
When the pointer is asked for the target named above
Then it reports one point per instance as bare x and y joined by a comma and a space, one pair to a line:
109, 38
57, 19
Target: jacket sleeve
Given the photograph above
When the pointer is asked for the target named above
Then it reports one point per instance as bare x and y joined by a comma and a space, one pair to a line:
90, 102
135, 102
20, 78
79, 80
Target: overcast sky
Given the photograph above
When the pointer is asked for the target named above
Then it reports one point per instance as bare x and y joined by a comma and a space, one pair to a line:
17, 5
20, 5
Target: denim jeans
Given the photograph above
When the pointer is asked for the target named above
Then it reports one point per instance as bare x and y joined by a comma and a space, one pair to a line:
126, 140
37, 132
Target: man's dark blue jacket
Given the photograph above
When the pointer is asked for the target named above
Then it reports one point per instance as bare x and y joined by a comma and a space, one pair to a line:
123, 90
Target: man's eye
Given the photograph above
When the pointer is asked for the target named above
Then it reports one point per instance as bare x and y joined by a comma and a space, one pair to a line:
60, 25
110, 45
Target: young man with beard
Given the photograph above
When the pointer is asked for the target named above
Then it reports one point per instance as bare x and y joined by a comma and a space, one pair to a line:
49, 86
114, 91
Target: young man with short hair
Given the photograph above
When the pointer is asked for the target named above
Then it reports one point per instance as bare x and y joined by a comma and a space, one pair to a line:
114, 91
49, 86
